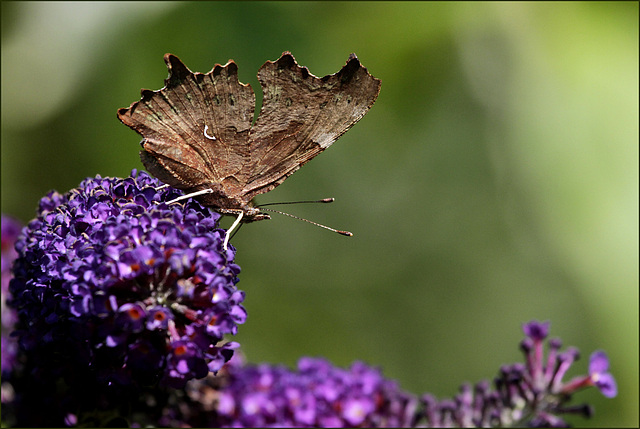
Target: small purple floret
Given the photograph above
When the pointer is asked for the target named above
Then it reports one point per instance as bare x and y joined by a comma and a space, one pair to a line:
600, 376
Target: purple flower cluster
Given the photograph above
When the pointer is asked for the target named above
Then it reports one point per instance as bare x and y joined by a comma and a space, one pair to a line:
112, 278
10, 230
525, 395
318, 394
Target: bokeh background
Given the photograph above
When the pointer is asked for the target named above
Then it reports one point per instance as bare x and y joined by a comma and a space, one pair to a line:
494, 181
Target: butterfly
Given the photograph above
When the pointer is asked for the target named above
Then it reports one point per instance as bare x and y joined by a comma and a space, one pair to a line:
199, 136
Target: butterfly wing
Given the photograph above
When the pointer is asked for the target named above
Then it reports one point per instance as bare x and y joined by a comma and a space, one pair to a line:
301, 116
172, 123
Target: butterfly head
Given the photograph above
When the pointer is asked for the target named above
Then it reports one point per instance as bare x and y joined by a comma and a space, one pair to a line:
254, 215
249, 214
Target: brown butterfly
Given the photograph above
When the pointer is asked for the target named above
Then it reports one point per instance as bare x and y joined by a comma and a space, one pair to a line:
198, 134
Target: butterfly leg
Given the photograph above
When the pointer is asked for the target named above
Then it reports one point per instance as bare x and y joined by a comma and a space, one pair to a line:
233, 226
193, 194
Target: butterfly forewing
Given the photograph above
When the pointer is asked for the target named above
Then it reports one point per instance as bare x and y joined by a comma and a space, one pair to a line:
302, 115
173, 119
228, 107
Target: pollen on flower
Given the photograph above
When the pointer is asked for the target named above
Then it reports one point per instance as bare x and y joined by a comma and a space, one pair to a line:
180, 350
135, 313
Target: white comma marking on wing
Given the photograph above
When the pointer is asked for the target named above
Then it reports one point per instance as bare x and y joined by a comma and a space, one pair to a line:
210, 137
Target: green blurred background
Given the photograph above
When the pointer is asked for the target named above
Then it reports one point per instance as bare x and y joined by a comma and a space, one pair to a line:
494, 181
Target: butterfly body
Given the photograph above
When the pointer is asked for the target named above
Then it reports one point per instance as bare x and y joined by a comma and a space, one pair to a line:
199, 136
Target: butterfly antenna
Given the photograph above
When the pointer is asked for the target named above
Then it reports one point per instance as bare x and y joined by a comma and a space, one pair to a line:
347, 233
